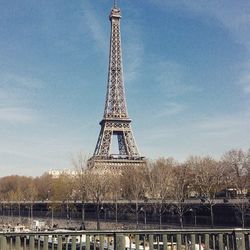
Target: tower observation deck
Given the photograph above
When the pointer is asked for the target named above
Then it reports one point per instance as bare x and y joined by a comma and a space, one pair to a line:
115, 122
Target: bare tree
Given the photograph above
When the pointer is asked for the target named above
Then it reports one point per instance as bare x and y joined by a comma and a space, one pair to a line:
99, 187
18, 197
208, 179
62, 191
237, 165
161, 183
135, 186
44, 186
115, 192
31, 195
179, 190
81, 184
14, 189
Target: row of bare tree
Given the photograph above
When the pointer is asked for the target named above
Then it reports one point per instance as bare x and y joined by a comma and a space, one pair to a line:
164, 180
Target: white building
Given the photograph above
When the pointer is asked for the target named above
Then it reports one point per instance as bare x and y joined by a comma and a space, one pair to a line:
55, 173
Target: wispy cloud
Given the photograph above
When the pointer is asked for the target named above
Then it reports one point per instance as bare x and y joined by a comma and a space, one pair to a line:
199, 135
244, 79
170, 77
213, 130
233, 16
12, 80
247, 88
133, 51
17, 115
171, 108
16, 93
224, 124
95, 26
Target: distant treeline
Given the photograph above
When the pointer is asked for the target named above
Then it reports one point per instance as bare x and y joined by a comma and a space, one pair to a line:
164, 179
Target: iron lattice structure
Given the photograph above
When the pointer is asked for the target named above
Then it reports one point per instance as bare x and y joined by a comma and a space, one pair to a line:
115, 120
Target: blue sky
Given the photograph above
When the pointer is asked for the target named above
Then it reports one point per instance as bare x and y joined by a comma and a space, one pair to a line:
186, 70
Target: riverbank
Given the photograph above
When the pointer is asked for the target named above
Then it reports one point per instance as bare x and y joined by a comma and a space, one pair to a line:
75, 224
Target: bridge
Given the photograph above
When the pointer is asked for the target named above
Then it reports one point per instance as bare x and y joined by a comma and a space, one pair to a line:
206, 239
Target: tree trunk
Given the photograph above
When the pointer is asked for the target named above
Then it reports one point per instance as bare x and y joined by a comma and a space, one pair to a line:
67, 215
19, 212
11, 213
212, 216
31, 214
98, 217
83, 213
243, 219
116, 212
160, 214
52, 216
137, 215
181, 220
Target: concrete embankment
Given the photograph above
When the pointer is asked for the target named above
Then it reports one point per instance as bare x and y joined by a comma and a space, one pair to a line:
6, 221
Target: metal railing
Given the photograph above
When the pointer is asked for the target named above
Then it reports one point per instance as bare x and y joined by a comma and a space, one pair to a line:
192, 239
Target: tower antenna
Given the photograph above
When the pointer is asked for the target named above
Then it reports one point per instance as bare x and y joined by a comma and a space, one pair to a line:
115, 3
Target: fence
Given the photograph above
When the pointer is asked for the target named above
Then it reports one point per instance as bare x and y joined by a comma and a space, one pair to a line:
221, 239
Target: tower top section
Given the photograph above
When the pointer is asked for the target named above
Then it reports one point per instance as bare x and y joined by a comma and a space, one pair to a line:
115, 12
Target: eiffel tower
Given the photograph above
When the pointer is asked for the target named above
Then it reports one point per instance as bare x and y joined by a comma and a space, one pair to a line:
115, 120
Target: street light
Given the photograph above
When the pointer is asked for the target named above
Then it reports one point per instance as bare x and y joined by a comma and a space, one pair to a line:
193, 211
52, 215
67, 213
160, 215
103, 210
48, 195
143, 210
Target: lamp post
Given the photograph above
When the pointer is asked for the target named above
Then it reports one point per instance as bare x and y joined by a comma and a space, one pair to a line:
160, 217
193, 211
2, 209
103, 210
116, 204
67, 210
116, 212
48, 194
52, 215
143, 210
